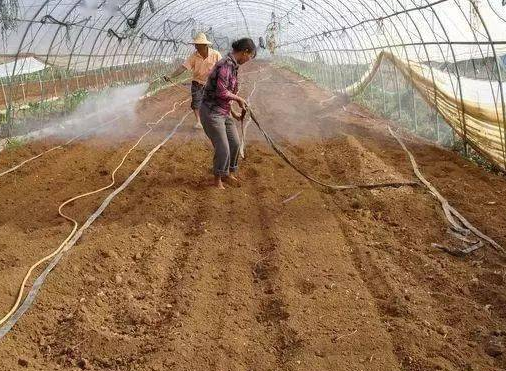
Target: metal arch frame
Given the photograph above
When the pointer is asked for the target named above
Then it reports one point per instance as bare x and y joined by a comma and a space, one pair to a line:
500, 82
408, 14
383, 17
397, 31
318, 25
352, 11
399, 35
450, 44
207, 14
328, 40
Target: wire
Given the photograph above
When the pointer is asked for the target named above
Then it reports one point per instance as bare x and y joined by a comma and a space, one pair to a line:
111, 33
243, 17
132, 22
50, 19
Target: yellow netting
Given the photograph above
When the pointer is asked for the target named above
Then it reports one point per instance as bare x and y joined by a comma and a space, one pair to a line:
471, 107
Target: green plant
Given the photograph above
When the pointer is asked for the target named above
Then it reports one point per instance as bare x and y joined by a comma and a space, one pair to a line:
13, 143
74, 99
159, 83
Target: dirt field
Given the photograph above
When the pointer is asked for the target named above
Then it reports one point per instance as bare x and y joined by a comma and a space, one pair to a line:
177, 275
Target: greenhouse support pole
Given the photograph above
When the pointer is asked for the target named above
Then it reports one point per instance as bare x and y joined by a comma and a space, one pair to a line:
501, 86
437, 126
399, 105
414, 109
23, 90
371, 92
3, 92
383, 90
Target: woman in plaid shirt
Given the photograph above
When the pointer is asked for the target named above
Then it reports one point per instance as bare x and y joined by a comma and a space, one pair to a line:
216, 112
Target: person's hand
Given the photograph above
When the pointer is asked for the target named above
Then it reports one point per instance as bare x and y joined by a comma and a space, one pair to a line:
242, 103
243, 114
235, 115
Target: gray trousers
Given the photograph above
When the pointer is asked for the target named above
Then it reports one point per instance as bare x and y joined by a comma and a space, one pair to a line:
225, 139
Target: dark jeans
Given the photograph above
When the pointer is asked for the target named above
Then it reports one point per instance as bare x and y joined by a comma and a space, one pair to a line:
197, 91
223, 134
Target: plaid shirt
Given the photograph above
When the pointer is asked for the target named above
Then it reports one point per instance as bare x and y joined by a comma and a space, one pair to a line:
221, 84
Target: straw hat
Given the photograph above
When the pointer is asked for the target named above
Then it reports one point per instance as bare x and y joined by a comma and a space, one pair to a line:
201, 39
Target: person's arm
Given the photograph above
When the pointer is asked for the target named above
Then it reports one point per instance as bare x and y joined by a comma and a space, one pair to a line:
179, 71
175, 74
221, 88
187, 65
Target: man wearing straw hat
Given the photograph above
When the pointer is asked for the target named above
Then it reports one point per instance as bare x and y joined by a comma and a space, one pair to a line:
200, 63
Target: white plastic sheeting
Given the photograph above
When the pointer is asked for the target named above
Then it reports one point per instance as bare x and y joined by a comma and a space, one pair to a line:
473, 108
459, 39
22, 66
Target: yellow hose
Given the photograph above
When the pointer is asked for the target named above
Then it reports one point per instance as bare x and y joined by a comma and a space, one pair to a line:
73, 221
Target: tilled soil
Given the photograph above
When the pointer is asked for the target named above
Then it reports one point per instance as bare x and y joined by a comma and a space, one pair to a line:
177, 275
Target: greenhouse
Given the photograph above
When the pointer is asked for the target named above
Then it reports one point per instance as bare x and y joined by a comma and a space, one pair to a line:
253, 185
